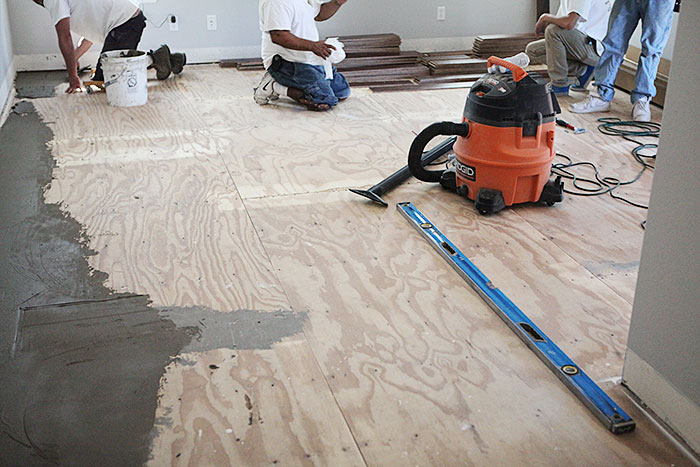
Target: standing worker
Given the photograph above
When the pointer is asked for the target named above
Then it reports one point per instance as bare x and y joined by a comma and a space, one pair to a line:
572, 42
657, 19
291, 51
118, 24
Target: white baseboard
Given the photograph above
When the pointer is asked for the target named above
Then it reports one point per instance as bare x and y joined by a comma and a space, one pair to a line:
39, 62
7, 93
54, 61
48, 62
675, 409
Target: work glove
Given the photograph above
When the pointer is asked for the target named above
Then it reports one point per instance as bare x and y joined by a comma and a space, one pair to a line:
522, 60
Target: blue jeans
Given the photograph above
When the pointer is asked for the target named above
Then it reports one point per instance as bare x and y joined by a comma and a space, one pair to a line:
311, 80
657, 18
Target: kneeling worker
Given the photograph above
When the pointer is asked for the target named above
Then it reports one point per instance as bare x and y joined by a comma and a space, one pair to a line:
572, 42
292, 51
118, 24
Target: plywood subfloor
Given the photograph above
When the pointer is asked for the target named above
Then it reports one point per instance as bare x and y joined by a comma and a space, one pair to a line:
203, 198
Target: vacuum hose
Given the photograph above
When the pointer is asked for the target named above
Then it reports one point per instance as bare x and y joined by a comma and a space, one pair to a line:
416, 152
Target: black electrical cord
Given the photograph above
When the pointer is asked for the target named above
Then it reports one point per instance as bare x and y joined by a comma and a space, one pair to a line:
600, 185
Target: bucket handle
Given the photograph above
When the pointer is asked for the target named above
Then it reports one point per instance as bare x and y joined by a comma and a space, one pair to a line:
518, 72
114, 80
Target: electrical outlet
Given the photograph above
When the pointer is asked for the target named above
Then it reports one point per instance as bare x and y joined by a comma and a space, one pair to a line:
211, 22
441, 13
174, 25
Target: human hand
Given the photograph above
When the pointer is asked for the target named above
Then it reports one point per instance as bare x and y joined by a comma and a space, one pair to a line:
74, 84
322, 49
541, 25
340, 2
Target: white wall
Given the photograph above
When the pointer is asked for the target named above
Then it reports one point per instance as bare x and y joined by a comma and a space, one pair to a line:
7, 70
238, 34
663, 360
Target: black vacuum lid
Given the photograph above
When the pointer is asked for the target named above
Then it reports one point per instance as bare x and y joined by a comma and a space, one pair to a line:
498, 100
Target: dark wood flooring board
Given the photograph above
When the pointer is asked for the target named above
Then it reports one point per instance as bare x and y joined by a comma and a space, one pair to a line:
405, 58
421, 87
395, 72
380, 81
372, 51
435, 79
501, 45
371, 40
457, 66
228, 63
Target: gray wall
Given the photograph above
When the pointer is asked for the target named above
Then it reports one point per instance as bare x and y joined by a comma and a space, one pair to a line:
665, 329
238, 22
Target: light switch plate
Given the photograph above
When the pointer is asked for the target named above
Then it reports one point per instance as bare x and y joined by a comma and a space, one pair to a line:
441, 13
211, 22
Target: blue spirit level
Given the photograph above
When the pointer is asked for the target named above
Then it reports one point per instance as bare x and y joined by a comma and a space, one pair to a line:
593, 397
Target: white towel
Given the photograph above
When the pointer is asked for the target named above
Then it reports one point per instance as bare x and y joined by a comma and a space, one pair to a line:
337, 56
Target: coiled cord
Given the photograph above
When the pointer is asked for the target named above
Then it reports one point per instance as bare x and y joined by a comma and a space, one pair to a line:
600, 185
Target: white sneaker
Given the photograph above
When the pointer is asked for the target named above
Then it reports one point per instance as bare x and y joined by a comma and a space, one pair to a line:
591, 104
641, 111
265, 92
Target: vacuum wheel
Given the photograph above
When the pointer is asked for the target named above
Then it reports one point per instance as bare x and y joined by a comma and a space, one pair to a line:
489, 201
553, 192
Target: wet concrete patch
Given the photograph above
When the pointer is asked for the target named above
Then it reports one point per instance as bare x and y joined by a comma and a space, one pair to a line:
38, 84
86, 376
81, 366
241, 329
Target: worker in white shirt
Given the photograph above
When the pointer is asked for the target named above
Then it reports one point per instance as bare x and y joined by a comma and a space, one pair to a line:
118, 24
293, 54
572, 42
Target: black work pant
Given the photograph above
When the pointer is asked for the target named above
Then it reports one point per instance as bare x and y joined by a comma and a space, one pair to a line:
127, 36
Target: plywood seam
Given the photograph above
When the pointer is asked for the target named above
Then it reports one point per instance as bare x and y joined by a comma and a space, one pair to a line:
335, 399
286, 295
568, 255
300, 193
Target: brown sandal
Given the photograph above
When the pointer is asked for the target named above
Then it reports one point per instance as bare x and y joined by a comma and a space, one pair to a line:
313, 106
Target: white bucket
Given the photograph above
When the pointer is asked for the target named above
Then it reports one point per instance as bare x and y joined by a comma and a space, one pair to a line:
125, 77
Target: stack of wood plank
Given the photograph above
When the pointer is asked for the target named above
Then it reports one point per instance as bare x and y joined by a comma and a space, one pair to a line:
501, 45
427, 56
371, 45
371, 50
371, 70
450, 65
392, 75
376, 61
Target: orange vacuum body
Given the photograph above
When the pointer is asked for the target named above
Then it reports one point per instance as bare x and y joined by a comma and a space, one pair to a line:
505, 145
